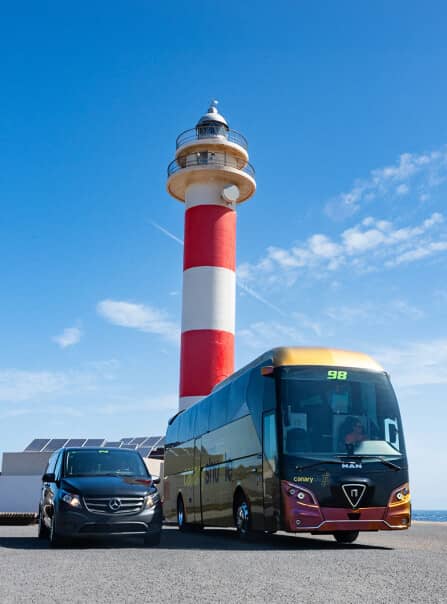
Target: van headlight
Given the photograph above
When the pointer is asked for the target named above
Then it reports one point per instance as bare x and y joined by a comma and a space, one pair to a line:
71, 499
150, 501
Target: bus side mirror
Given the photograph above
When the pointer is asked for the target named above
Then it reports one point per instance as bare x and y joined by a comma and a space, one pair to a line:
49, 477
156, 479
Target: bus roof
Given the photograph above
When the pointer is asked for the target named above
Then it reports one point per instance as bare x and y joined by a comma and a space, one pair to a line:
302, 355
309, 355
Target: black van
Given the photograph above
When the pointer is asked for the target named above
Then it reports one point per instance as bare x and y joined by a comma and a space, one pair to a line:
93, 491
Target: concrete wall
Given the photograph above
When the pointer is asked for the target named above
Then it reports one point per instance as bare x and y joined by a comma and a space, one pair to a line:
19, 493
24, 464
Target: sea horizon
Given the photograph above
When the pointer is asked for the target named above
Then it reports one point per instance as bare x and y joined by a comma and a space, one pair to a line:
430, 515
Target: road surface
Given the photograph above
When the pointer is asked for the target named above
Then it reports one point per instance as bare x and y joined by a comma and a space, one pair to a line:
215, 566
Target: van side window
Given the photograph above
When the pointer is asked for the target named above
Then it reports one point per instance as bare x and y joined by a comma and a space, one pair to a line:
51, 463
58, 467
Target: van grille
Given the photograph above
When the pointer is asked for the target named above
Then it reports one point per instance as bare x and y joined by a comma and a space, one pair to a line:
114, 505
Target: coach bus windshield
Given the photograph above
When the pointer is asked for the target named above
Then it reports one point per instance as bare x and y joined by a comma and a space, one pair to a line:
329, 410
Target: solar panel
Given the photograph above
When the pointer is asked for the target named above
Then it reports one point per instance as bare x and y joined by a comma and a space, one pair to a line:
161, 442
127, 440
144, 451
112, 443
75, 442
37, 444
151, 440
93, 442
128, 446
55, 444
138, 441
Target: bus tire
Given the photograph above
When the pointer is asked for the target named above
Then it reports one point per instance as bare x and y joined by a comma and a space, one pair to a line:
242, 516
346, 536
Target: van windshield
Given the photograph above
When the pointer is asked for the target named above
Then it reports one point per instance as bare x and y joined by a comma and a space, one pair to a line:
104, 462
327, 410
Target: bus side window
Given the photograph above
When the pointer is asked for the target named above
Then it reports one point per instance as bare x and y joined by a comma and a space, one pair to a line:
270, 441
255, 396
236, 403
202, 422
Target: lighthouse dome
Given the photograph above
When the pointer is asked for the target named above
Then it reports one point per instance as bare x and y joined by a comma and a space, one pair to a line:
212, 117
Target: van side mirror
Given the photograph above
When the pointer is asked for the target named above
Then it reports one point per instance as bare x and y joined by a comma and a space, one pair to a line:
156, 479
51, 477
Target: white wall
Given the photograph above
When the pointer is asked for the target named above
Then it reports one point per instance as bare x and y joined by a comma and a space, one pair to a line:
20, 493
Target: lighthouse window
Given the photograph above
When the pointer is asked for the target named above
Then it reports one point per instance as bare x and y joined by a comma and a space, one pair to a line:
202, 157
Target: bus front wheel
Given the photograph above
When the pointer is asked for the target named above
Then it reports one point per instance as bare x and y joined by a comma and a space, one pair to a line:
346, 536
242, 516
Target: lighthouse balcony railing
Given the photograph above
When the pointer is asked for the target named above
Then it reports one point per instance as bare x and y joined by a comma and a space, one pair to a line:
211, 131
210, 161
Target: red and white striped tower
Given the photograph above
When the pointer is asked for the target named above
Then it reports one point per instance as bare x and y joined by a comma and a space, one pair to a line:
211, 174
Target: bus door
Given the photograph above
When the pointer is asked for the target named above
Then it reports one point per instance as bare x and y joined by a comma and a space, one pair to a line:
270, 472
196, 494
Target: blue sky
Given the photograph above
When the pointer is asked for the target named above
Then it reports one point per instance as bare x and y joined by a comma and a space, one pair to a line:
344, 243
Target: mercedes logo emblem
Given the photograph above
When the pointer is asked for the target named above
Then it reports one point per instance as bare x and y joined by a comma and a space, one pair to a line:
115, 504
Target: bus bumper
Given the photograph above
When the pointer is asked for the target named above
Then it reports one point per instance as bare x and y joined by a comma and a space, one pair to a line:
308, 516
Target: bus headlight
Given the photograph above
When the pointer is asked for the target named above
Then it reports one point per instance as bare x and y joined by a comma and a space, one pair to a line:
71, 499
400, 495
303, 496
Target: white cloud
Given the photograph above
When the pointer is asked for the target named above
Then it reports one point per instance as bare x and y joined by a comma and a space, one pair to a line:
139, 316
369, 245
420, 171
415, 363
374, 313
18, 385
263, 335
69, 337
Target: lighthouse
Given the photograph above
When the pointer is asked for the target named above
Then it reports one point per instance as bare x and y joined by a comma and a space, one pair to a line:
211, 175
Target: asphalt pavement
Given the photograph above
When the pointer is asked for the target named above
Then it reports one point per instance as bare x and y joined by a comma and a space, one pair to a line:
214, 566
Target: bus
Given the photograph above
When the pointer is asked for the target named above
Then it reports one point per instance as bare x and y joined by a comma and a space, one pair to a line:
300, 440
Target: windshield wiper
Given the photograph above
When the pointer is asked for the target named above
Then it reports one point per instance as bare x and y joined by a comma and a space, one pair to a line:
317, 463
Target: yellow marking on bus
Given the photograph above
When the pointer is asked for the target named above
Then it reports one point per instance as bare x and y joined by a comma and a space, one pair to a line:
331, 357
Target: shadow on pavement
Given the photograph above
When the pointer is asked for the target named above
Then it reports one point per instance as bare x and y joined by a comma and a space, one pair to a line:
209, 539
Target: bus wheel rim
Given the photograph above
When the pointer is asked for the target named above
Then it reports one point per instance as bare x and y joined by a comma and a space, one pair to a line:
242, 517
180, 514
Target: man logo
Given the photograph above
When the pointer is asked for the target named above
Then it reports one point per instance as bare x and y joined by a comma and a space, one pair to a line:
115, 504
354, 493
